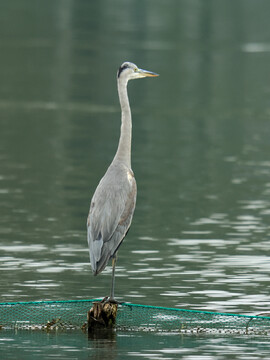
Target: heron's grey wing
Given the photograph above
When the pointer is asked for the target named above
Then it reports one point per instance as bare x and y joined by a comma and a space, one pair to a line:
111, 245
110, 216
105, 211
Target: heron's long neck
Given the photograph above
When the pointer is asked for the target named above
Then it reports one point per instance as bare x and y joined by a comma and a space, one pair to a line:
124, 147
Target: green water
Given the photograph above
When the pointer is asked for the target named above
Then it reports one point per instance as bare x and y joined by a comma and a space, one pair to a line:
132, 345
201, 156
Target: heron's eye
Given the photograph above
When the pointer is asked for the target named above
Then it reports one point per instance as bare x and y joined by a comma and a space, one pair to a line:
136, 69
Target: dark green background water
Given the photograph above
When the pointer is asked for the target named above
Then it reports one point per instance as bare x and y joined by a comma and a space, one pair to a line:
201, 153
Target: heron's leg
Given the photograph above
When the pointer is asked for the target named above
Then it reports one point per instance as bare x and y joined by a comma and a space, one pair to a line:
113, 275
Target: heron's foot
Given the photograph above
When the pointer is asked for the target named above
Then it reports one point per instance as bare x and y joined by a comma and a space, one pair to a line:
114, 301
105, 300
111, 300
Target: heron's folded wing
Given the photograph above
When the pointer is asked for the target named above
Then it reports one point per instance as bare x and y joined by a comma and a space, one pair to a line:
111, 245
110, 213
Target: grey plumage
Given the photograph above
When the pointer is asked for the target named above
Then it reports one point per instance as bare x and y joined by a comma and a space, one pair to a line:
113, 203
110, 214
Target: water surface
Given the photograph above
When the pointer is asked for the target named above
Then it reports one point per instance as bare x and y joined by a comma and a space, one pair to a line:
199, 238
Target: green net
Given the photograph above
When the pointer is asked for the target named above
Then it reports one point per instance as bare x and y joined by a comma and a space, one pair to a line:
72, 314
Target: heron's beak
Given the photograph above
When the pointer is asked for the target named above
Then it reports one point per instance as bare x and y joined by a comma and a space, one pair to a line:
145, 73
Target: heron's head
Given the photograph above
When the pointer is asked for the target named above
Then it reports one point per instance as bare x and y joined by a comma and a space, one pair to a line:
129, 71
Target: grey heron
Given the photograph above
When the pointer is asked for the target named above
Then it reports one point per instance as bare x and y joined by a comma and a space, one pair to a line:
113, 203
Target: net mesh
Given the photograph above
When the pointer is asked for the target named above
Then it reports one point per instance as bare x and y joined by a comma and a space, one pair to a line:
72, 314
